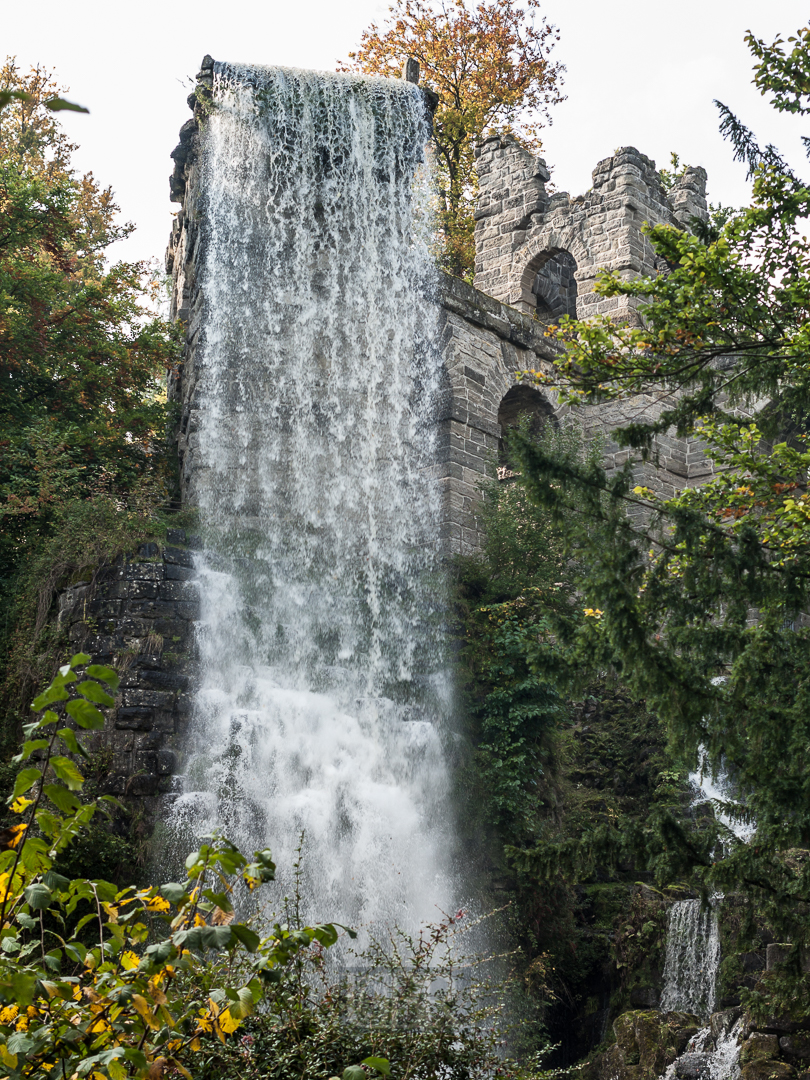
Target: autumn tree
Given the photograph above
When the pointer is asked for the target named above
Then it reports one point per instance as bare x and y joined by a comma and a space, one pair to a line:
489, 65
81, 351
700, 611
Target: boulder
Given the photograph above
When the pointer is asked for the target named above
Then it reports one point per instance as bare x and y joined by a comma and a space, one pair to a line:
759, 1047
796, 1047
693, 1066
722, 1022
647, 1041
768, 1069
682, 1027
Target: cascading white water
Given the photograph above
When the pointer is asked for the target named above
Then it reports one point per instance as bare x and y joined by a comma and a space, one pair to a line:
692, 959
715, 787
322, 685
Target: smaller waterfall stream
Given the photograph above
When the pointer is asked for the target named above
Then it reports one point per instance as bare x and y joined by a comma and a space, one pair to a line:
690, 985
692, 959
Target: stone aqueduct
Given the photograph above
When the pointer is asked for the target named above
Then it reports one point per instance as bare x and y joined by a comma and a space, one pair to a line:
537, 257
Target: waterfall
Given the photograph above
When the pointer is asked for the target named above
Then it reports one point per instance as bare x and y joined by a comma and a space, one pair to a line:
716, 787
322, 684
692, 959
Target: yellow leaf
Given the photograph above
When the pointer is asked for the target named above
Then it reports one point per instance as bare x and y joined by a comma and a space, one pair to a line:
195, 1044
157, 903
143, 1010
116, 1069
15, 835
129, 960
20, 804
227, 1022
9, 1059
8, 1014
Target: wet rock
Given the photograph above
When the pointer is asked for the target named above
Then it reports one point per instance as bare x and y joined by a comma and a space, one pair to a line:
693, 1066
682, 1027
768, 1069
647, 1041
796, 1047
759, 1047
722, 1022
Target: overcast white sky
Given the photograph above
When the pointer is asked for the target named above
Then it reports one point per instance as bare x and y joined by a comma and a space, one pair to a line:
639, 73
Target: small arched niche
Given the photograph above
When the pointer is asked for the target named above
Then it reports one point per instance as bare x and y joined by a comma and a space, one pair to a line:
521, 404
550, 285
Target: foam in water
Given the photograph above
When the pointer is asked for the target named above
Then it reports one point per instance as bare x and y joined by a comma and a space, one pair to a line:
715, 786
692, 959
322, 685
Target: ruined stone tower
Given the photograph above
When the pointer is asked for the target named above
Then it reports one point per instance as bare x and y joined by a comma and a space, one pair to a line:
541, 253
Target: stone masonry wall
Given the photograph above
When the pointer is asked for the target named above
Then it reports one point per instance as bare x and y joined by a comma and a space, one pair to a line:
494, 330
520, 226
138, 616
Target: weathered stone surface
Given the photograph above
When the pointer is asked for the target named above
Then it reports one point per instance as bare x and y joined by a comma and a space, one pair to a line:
178, 556
121, 619
148, 699
135, 719
535, 254
682, 1027
723, 1021
796, 1047
647, 1041
759, 1045
166, 762
185, 591
767, 1069
693, 1066
177, 573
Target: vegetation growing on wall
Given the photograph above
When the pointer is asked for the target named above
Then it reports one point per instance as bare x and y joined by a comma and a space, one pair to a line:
558, 748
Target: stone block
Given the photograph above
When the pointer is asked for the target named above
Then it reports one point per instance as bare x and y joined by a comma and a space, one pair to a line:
184, 591
173, 572
165, 680
142, 784
723, 1021
143, 571
148, 699
165, 722
796, 1047
144, 761
692, 1066
178, 557
149, 740
188, 611
135, 590
166, 763
134, 719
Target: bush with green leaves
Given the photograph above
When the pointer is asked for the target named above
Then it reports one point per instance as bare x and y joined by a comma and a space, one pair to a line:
97, 980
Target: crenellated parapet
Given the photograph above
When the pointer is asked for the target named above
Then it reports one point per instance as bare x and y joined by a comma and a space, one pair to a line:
542, 252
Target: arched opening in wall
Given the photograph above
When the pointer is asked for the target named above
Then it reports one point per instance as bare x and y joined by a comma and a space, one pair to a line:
521, 405
552, 284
